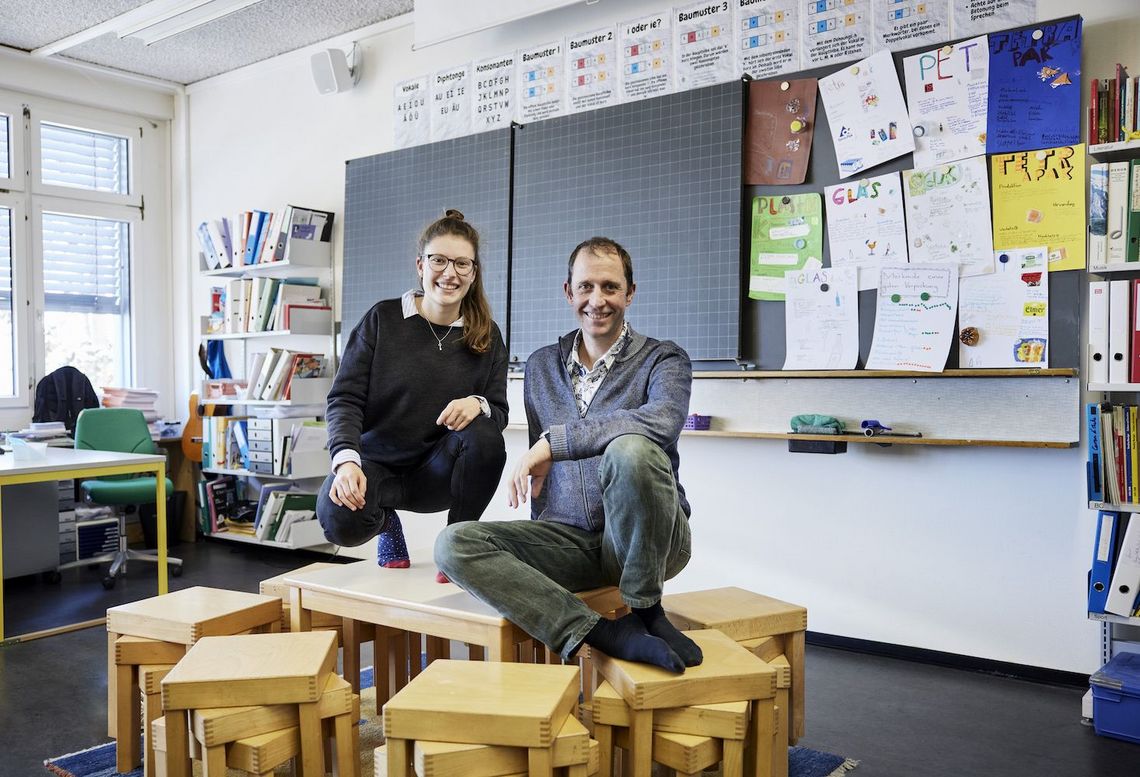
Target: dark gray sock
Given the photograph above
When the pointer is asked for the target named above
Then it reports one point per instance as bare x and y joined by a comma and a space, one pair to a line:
657, 624
628, 639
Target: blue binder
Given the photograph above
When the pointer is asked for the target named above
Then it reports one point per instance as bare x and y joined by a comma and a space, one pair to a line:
1104, 550
1093, 470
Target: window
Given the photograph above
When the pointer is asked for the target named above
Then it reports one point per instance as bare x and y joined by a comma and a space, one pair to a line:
68, 244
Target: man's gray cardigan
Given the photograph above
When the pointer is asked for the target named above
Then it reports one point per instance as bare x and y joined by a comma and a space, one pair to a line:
646, 392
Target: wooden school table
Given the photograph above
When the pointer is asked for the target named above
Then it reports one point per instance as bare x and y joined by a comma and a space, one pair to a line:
70, 464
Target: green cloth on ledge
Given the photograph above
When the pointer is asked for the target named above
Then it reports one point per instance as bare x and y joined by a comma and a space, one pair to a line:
811, 423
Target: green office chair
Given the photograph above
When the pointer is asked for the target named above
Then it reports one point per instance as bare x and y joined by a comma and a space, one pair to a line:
123, 430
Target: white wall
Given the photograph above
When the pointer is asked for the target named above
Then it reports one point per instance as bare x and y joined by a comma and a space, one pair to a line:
978, 551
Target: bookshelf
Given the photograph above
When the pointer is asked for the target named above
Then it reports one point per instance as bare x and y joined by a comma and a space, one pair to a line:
252, 329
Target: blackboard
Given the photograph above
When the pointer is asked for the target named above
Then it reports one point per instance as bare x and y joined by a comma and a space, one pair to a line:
391, 197
763, 321
660, 176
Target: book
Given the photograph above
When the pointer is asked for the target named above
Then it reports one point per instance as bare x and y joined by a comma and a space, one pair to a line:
305, 365
1098, 215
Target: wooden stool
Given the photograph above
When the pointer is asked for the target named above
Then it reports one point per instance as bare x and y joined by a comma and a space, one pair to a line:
150, 685
750, 617
126, 655
243, 671
684, 738
380, 765
276, 586
483, 703
728, 673
179, 618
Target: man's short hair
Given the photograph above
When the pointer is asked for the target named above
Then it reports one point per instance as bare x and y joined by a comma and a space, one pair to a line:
602, 246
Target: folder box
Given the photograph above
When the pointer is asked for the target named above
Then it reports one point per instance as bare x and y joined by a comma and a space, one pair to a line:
309, 391
313, 321
1116, 698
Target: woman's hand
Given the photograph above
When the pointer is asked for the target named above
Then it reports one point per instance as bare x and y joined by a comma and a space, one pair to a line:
348, 486
459, 413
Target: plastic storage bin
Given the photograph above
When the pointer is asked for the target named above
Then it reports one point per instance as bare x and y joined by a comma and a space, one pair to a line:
1116, 698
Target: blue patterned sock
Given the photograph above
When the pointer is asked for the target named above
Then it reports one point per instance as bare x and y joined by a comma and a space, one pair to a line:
391, 550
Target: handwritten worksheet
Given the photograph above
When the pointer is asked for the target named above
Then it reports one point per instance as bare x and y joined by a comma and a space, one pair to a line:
787, 234
946, 92
867, 114
865, 225
948, 216
821, 319
914, 317
1003, 317
1039, 199
1035, 88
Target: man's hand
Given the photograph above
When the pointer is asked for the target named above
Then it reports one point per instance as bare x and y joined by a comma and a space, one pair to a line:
348, 486
459, 413
531, 470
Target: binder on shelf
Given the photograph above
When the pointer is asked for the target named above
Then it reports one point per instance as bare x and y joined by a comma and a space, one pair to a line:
1134, 360
1119, 340
1100, 576
1098, 215
1132, 250
1117, 223
205, 242
1093, 472
1125, 583
218, 239
1098, 331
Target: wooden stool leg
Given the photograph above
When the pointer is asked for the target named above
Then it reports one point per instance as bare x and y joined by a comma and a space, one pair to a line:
436, 648
151, 711
347, 764
112, 706
399, 661
640, 743
350, 629
177, 744
300, 619
540, 762
214, 761
576, 770
502, 649
474, 652
762, 735
356, 736
128, 717
605, 736
328, 747
795, 654
587, 665
415, 654
159, 753
733, 763
312, 750
381, 668
399, 755
780, 755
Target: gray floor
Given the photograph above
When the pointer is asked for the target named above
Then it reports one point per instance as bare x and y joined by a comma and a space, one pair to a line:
900, 719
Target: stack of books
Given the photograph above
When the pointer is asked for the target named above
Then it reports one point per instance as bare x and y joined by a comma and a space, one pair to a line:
259, 237
1113, 106
138, 398
271, 304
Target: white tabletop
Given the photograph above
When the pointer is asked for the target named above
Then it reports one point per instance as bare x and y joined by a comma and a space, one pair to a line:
64, 459
414, 588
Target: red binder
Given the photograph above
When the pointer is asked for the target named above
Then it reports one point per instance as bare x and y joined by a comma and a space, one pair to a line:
1134, 364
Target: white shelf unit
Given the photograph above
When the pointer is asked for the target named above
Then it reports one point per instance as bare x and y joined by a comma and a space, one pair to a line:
306, 260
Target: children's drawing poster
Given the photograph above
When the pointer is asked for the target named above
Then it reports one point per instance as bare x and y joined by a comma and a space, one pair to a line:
540, 83
494, 98
907, 24
948, 216
977, 17
591, 77
821, 319
1039, 199
451, 103
1003, 317
705, 51
1035, 87
778, 131
914, 317
645, 49
837, 31
411, 122
865, 225
946, 91
787, 234
769, 34
867, 115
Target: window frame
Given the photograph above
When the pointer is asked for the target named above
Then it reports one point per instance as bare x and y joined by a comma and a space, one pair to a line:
22, 337
90, 120
16, 131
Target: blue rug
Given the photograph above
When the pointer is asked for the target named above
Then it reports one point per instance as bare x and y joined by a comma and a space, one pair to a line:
99, 761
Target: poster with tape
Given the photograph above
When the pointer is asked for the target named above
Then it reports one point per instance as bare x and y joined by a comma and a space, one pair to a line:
705, 52
591, 78
769, 34
540, 84
451, 103
946, 92
411, 121
837, 31
646, 53
787, 234
907, 24
494, 98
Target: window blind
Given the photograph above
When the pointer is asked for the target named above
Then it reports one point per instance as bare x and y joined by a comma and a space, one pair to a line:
5, 150
85, 264
84, 159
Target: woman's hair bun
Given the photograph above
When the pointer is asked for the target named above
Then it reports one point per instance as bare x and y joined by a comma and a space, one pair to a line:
452, 213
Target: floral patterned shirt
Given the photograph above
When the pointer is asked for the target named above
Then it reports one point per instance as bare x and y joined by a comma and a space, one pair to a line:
586, 382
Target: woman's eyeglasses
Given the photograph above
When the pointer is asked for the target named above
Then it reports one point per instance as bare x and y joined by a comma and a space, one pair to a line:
438, 262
